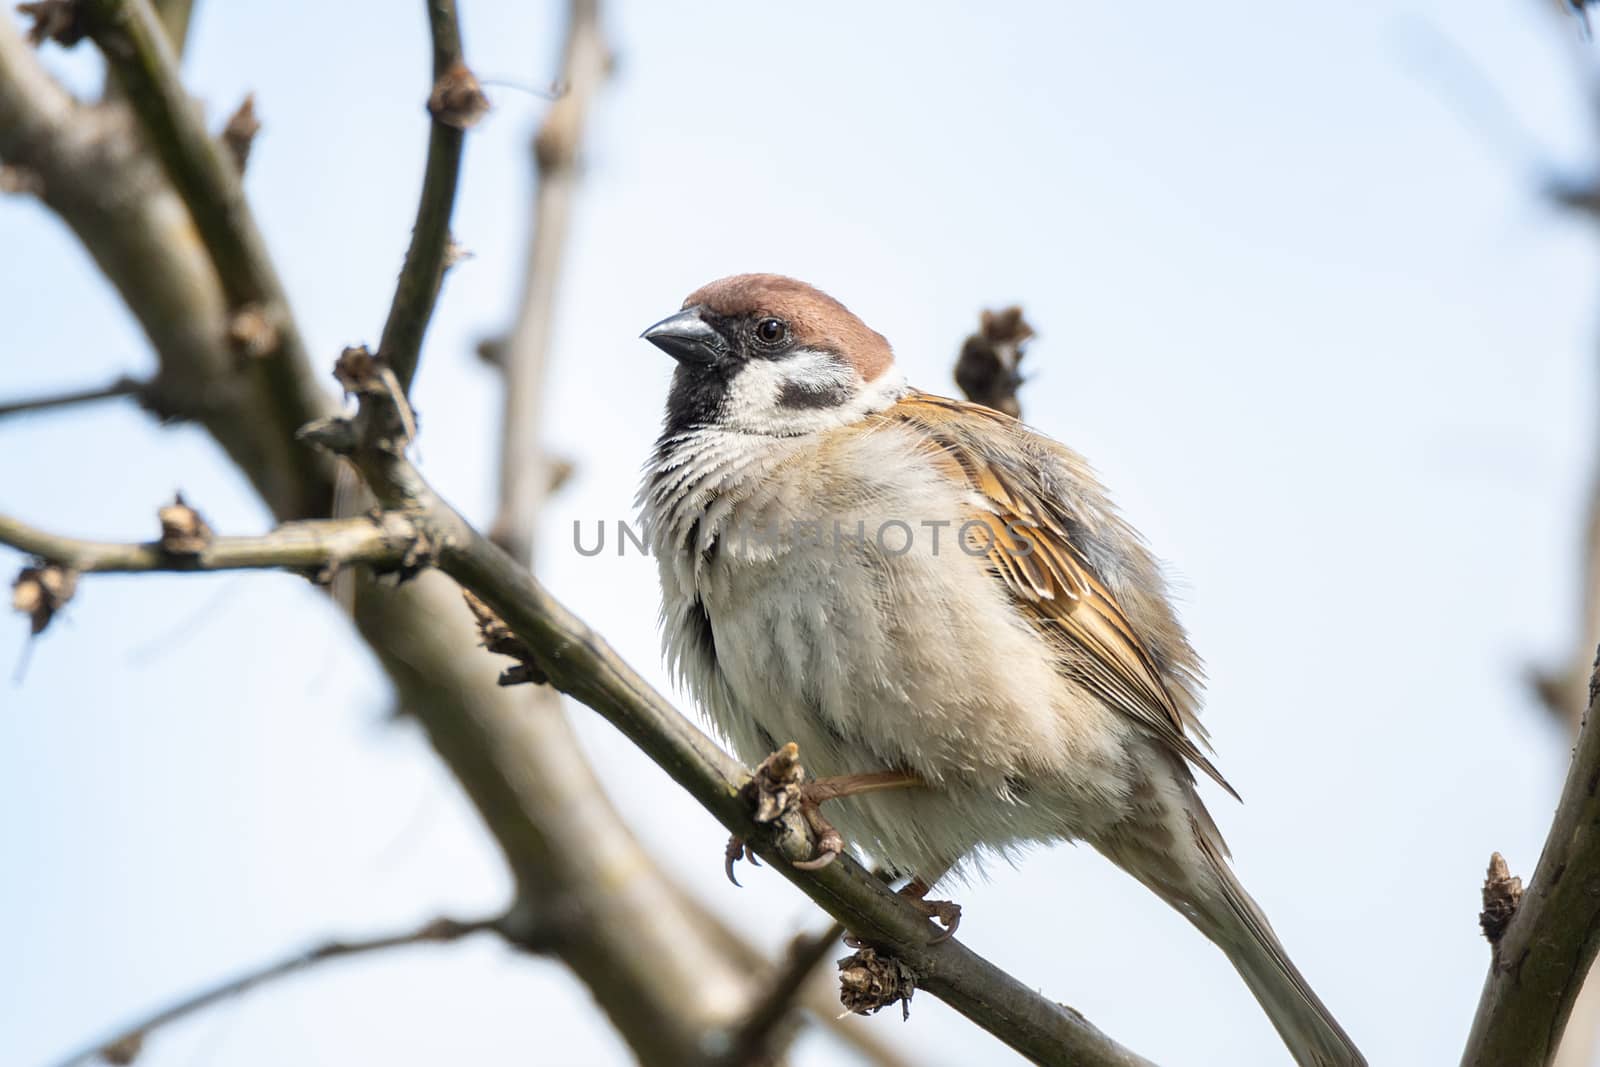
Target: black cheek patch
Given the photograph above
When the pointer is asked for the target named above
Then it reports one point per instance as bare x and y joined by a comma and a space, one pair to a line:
801, 395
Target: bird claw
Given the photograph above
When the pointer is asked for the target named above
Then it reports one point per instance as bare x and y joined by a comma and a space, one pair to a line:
778, 786
737, 850
829, 842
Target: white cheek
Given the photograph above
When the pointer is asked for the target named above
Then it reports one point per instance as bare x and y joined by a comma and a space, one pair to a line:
754, 399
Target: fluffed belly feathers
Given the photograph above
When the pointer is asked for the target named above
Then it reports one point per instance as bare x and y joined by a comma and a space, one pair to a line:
855, 625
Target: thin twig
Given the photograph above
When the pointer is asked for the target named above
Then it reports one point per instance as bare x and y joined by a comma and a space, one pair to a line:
455, 103
121, 387
127, 1042
759, 1037
384, 541
1538, 965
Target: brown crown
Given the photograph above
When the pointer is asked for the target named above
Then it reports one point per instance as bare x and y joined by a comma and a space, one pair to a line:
816, 320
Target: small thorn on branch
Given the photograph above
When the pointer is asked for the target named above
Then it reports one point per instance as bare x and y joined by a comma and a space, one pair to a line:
457, 99
240, 133
868, 983
41, 591
498, 638
1502, 892
183, 531
987, 369
54, 20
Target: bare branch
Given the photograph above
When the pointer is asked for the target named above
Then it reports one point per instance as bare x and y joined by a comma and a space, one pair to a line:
93, 170
384, 541
117, 389
771, 1019
136, 47
126, 1044
1538, 965
525, 474
455, 103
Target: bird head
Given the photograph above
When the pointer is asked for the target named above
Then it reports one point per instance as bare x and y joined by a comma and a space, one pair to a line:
765, 354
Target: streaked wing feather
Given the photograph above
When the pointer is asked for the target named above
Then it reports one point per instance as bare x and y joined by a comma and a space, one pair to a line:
1031, 550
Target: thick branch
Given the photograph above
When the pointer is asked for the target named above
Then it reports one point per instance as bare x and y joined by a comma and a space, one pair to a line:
137, 49
1538, 966
94, 172
383, 540
125, 1046
455, 103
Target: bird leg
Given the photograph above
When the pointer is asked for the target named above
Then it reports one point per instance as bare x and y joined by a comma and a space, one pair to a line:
779, 784
947, 913
812, 794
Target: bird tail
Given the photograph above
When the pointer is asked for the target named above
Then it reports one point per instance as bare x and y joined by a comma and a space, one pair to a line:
1235, 923
1212, 898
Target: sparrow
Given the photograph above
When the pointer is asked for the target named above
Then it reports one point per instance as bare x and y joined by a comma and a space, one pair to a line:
971, 647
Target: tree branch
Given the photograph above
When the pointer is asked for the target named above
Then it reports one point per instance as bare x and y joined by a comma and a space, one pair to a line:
1538, 966
763, 1031
125, 1046
455, 103
136, 48
524, 468
385, 540
94, 172
121, 387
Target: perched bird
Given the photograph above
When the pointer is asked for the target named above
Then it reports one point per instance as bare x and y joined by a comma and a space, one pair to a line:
970, 646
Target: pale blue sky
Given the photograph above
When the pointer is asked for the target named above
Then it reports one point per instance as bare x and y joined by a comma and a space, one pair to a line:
1311, 320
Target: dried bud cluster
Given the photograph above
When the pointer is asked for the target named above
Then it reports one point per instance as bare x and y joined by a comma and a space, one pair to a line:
41, 591
869, 983
457, 99
1502, 892
183, 531
987, 370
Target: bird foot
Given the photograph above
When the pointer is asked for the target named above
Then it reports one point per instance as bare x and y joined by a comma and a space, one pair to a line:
947, 913
778, 786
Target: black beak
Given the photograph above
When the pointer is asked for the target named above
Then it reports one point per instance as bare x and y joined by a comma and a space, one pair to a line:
688, 338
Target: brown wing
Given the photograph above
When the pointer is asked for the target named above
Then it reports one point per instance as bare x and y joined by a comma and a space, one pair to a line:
1032, 549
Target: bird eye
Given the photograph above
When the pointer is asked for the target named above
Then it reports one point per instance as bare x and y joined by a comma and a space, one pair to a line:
771, 331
